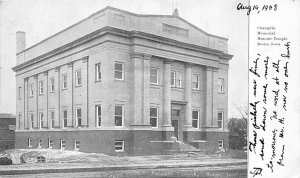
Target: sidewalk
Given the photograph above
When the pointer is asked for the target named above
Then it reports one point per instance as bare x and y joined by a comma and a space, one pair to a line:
122, 165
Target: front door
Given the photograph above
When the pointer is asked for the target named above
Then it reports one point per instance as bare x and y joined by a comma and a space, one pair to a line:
175, 117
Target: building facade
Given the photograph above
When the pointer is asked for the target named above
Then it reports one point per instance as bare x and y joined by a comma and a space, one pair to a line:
123, 83
7, 131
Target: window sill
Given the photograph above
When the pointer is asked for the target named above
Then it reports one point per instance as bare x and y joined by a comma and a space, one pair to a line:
77, 86
121, 80
119, 150
96, 81
64, 89
221, 92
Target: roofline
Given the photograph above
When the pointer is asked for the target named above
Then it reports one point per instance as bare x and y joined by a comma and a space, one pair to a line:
120, 10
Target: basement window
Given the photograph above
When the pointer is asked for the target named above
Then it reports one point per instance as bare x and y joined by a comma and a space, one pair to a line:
220, 143
29, 142
119, 145
62, 144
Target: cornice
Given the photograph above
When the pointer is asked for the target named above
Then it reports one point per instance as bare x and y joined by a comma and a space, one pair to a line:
120, 32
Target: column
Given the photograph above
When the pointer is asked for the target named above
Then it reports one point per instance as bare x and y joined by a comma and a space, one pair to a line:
138, 94
85, 122
37, 123
58, 100
208, 96
188, 95
25, 116
214, 122
167, 94
70, 65
146, 96
46, 91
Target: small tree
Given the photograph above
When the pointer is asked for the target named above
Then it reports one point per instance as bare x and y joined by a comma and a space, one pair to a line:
237, 133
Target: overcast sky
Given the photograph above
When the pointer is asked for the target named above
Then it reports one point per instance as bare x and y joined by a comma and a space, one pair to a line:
42, 18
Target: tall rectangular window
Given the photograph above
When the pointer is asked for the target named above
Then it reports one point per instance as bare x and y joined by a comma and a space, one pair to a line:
119, 145
173, 78
78, 79
119, 71
50, 143
41, 120
52, 118
98, 72
195, 82
154, 117
51, 89
119, 115
76, 145
154, 75
64, 81
78, 117
31, 90
65, 117
32, 120
29, 142
98, 115
178, 79
41, 87
19, 93
195, 118
220, 120
221, 85
62, 144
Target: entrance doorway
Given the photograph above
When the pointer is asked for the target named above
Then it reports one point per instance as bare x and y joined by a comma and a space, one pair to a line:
175, 118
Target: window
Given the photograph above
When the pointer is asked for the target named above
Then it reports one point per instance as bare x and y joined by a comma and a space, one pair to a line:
220, 119
76, 145
78, 78
19, 93
65, 117
154, 75
119, 145
52, 118
41, 119
221, 85
50, 143
195, 118
64, 81
98, 72
153, 116
220, 143
51, 85
195, 80
39, 143
29, 142
98, 115
119, 115
41, 87
32, 120
173, 78
178, 79
31, 90
78, 117
119, 74
62, 144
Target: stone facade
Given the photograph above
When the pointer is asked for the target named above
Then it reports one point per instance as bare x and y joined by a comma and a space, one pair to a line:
119, 83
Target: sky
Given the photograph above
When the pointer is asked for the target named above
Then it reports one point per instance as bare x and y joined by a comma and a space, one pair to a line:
43, 18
